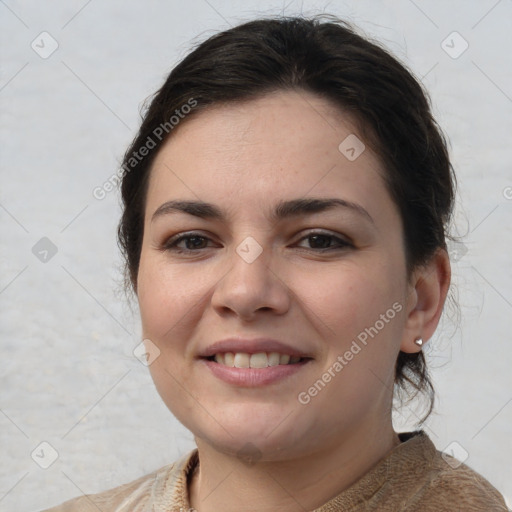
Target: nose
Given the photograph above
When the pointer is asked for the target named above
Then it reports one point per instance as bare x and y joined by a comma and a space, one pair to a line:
250, 287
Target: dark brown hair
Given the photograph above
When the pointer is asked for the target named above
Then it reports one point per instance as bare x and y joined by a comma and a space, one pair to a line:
324, 56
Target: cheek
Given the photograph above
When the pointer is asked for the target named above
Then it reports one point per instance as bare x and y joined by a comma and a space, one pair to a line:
347, 299
169, 296
170, 302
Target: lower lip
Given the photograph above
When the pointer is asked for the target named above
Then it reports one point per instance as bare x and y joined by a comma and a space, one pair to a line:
253, 377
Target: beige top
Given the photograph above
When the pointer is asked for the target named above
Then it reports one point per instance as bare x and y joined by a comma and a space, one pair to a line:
413, 477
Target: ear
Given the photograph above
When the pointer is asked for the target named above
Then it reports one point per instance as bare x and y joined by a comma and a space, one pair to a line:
427, 293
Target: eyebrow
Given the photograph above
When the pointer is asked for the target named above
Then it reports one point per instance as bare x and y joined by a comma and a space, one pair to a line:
283, 209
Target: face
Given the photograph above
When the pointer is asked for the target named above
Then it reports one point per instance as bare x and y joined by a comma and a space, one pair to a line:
326, 282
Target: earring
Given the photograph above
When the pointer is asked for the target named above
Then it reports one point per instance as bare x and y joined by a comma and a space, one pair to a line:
418, 342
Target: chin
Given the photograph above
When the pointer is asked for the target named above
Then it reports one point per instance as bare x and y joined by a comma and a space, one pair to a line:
268, 432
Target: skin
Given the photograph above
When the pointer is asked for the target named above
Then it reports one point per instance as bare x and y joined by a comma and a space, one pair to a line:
245, 158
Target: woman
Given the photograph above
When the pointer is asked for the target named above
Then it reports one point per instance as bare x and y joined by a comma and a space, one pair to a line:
284, 227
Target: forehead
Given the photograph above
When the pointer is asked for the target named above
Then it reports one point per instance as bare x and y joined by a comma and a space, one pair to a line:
285, 144
285, 119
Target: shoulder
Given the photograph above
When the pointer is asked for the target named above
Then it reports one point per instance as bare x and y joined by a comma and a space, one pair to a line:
465, 487
134, 495
450, 485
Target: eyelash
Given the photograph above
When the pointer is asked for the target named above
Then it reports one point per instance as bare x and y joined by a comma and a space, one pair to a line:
170, 245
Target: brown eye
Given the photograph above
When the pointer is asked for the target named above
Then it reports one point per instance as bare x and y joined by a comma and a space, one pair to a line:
193, 242
324, 241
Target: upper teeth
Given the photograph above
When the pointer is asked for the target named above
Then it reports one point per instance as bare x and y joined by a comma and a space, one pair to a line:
259, 360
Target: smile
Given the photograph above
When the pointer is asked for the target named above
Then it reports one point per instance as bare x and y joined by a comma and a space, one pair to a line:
245, 370
258, 360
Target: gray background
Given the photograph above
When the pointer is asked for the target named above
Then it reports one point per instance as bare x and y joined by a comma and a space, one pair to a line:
68, 374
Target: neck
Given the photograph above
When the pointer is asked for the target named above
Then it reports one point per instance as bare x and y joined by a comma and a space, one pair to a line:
223, 482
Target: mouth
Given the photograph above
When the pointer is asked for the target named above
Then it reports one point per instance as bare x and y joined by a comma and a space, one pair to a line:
256, 360
244, 370
252, 363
